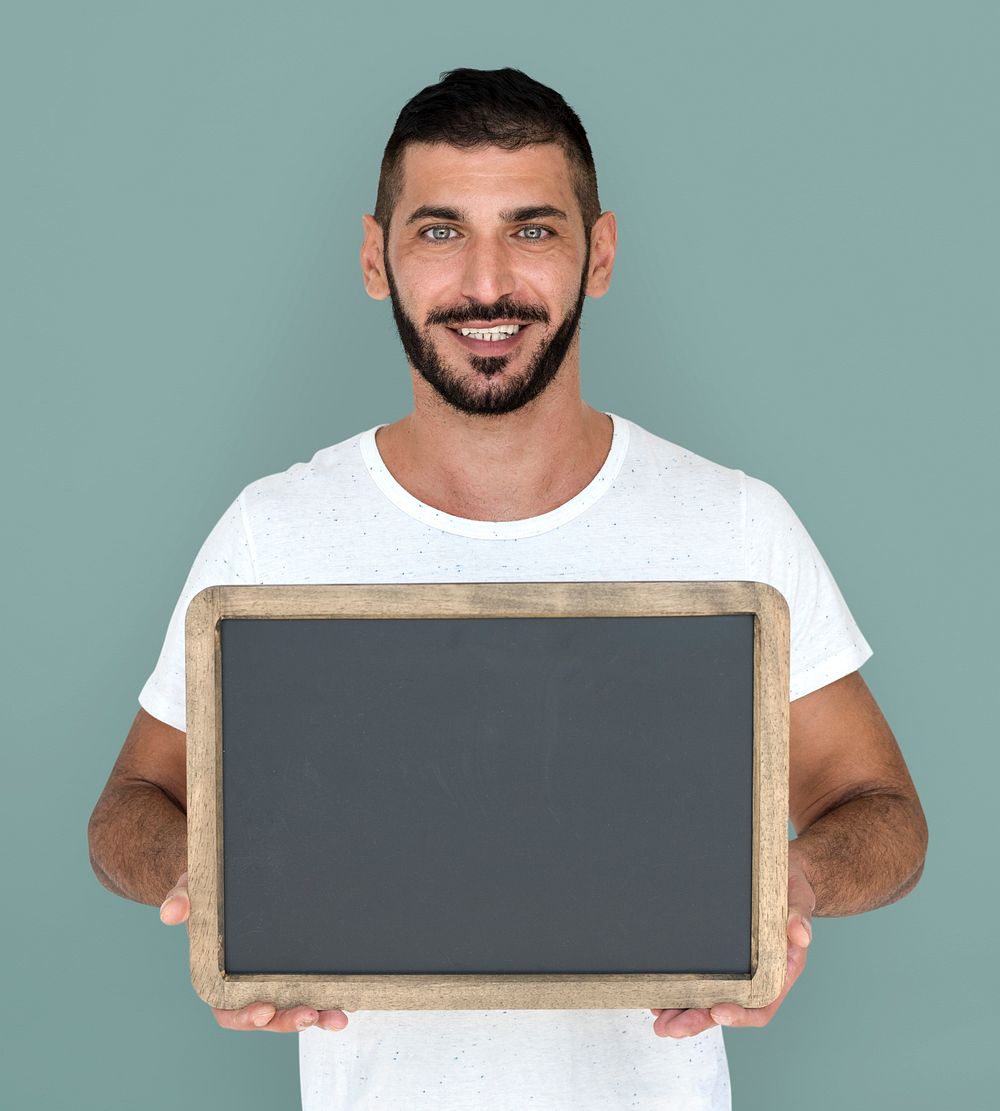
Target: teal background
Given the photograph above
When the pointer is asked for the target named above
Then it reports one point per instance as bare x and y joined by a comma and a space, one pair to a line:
806, 289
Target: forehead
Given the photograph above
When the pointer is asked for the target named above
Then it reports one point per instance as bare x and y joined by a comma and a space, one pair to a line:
486, 177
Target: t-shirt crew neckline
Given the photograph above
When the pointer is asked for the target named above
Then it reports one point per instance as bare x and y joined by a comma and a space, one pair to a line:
497, 530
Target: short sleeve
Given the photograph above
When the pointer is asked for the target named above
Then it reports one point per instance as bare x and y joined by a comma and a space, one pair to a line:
826, 643
225, 559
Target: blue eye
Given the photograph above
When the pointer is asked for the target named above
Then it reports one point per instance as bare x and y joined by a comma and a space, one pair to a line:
439, 233
535, 232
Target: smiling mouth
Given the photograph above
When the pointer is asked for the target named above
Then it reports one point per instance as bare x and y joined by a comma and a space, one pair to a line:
493, 339
495, 334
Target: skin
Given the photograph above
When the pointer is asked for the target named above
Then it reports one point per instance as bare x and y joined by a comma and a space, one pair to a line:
524, 463
861, 834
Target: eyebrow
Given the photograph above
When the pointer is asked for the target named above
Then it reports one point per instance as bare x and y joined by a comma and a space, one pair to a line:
426, 211
532, 212
507, 216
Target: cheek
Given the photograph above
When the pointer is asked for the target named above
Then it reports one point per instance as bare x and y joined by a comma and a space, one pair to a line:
431, 287
553, 281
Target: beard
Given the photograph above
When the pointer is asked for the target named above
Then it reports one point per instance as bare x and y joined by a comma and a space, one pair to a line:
506, 394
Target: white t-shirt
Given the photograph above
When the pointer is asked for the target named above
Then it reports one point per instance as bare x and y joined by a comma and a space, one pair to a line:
653, 512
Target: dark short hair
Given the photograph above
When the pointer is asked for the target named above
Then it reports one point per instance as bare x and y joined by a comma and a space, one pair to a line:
488, 107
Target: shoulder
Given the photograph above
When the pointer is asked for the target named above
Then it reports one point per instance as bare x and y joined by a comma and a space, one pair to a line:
680, 468
332, 468
692, 479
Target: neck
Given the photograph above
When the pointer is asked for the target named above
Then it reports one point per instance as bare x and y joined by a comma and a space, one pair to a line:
497, 468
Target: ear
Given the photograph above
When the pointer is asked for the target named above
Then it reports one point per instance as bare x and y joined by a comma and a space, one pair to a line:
372, 268
603, 240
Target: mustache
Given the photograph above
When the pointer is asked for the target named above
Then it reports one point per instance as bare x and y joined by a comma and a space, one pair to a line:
504, 309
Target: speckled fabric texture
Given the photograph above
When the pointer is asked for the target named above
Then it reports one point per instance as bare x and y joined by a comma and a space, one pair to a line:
510, 1061
653, 512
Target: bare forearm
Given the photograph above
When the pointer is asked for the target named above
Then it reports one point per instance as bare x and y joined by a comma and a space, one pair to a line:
138, 842
863, 854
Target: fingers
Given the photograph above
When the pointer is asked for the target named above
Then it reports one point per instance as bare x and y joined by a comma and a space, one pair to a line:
729, 1014
801, 904
176, 907
799, 930
682, 1024
265, 1016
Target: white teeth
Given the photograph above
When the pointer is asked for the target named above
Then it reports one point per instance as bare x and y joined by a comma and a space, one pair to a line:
501, 331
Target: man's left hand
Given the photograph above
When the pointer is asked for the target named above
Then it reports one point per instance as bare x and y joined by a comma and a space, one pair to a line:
680, 1023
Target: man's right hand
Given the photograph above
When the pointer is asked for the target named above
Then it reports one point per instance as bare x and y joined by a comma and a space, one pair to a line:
257, 1016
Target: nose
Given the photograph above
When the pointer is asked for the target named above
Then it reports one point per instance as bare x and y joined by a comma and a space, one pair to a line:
487, 274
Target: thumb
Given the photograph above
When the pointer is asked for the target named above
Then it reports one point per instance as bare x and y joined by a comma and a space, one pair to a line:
176, 907
801, 902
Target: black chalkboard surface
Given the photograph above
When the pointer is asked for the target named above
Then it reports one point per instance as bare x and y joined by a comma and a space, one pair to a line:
521, 794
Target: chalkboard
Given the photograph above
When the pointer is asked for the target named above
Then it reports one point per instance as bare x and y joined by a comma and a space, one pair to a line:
472, 795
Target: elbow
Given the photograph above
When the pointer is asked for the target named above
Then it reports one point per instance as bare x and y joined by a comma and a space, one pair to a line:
907, 885
93, 845
918, 840
96, 828
916, 875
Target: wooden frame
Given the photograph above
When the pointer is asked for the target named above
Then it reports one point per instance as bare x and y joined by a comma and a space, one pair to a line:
521, 599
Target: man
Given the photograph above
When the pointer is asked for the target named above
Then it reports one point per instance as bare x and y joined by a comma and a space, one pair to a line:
487, 236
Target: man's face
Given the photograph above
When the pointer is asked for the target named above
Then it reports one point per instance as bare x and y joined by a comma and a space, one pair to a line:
490, 240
